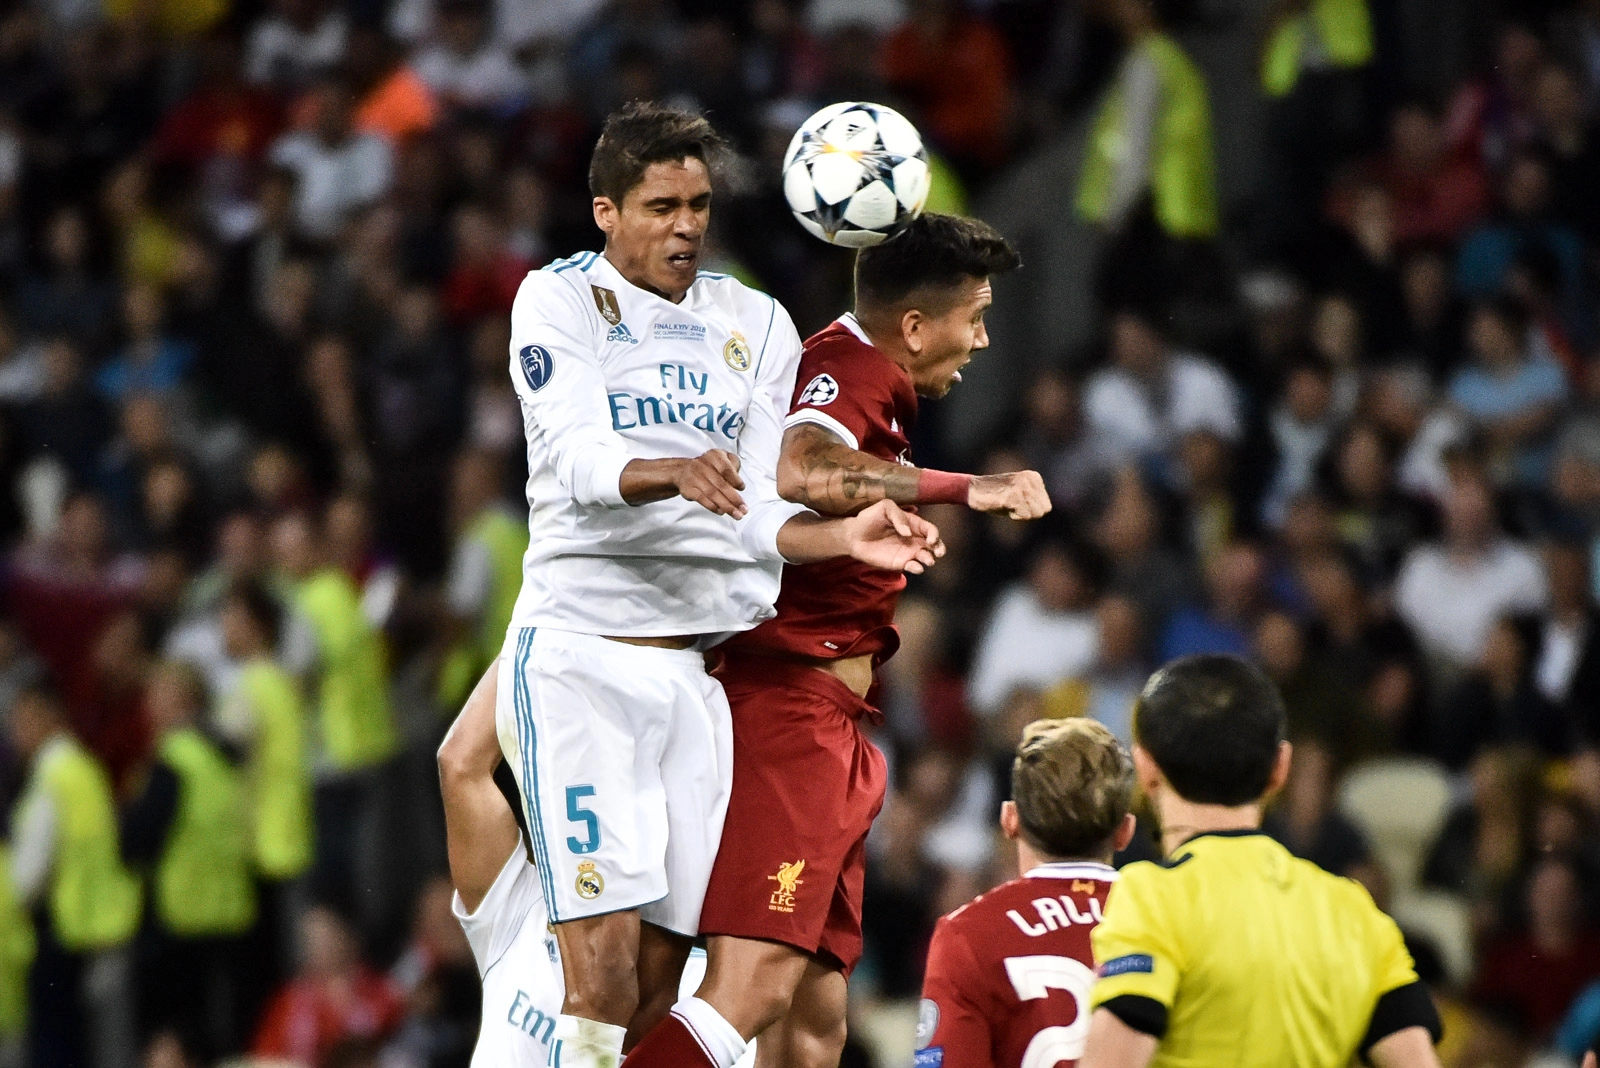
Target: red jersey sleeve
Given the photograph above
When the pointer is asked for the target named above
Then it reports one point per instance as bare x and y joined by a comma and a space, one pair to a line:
952, 1029
849, 388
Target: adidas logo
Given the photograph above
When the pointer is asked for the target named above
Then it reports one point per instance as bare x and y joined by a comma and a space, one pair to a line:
620, 332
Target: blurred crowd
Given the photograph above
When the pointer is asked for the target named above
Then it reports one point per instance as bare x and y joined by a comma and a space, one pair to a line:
260, 470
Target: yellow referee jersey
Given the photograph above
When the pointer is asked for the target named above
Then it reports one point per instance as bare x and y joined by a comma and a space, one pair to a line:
1234, 952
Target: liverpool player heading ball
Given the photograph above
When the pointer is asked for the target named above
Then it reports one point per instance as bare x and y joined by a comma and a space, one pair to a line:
782, 913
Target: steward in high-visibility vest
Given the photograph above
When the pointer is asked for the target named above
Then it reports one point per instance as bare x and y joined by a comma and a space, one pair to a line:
278, 773
485, 573
16, 953
66, 868
356, 728
1179, 165
266, 717
1330, 34
189, 827
203, 880
91, 899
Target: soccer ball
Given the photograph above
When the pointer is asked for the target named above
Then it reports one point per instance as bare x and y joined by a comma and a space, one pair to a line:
856, 174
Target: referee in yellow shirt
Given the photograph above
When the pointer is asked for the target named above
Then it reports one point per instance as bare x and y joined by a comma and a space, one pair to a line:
1232, 952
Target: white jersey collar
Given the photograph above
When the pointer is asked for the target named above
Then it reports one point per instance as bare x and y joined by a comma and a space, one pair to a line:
1074, 869
603, 266
849, 321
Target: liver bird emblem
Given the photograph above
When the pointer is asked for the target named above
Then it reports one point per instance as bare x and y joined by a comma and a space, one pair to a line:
789, 876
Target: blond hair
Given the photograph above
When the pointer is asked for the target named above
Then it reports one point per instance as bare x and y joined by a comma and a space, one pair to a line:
1072, 782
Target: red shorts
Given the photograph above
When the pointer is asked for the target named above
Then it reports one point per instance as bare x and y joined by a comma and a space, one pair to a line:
807, 785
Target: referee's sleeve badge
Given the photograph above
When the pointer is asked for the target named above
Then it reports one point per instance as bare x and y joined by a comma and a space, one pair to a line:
1133, 963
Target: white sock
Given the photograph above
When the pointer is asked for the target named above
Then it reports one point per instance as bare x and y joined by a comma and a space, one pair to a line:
719, 1038
580, 1043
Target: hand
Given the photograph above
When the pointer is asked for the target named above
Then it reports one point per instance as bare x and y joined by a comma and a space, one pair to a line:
887, 536
712, 481
1018, 494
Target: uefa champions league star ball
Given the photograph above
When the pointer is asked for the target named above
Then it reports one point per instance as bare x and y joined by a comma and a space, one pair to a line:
856, 174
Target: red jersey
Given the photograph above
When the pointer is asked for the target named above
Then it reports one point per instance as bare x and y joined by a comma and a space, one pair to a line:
843, 608
1009, 973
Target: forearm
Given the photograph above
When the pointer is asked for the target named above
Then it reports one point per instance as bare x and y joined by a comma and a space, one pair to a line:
823, 473
835, 479
1113, 1044
644, 481
1410, 1048
810, 539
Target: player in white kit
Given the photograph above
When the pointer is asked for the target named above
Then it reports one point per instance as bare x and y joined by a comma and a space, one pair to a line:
498, 901
653, 397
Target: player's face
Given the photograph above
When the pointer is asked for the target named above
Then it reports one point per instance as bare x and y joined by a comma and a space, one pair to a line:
950, 339
654, 236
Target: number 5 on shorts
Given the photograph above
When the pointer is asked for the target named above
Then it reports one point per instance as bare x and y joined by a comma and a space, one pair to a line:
577, 814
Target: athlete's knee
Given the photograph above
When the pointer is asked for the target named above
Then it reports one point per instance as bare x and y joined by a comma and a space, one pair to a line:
751, 1007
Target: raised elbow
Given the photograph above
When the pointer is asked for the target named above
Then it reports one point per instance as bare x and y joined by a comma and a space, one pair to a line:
792, 482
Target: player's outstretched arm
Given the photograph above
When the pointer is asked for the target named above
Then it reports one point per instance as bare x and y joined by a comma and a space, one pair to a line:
1408, 1048
480, 831
821, 471
884, 536
1113, 1044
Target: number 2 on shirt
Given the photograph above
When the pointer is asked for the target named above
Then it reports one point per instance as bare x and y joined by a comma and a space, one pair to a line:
1035, 977
578, 814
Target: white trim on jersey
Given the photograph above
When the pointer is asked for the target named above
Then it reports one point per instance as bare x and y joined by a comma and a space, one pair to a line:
803, 416
849, 321
1074, 869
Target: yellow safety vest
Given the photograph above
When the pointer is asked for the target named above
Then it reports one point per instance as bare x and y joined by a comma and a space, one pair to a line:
173, 18
203, 881
1183, 181
16, 954
279, 773
93, 900
1345, 29
353, 694
946, 194
506, 539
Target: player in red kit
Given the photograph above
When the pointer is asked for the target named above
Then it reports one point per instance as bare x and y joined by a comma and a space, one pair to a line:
782, 913
1008, 978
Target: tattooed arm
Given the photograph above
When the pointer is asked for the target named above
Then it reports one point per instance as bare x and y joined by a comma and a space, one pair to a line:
819, 470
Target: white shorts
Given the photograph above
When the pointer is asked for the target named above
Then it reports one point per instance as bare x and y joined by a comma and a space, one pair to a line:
624, 757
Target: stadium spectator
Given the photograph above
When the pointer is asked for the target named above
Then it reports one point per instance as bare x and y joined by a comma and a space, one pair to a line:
297, 41
1451, 593
1152, 394
337, 169
1542, 969
1042, 630
333, 997
956, 69
1225, 620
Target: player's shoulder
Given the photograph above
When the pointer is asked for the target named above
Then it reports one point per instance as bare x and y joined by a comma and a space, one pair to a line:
562, 280
742, 299
993, 905
839, 351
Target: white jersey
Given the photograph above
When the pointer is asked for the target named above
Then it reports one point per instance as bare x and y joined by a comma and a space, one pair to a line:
519, 966
607, 373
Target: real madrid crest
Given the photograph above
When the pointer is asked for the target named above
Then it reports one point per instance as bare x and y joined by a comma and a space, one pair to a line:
736, 353
590, 884
606, 301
